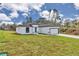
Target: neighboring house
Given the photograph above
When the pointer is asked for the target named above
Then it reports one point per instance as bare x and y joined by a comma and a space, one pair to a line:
5, 25
36, 29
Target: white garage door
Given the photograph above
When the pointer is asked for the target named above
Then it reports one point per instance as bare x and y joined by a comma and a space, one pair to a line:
53, 31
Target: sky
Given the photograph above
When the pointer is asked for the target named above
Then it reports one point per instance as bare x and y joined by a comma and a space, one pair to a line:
18, 12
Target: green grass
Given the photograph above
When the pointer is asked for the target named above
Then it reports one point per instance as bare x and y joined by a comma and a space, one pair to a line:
37, 45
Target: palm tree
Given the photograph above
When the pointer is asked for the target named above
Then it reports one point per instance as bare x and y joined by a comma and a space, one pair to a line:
29, 20
49, 13
55, 16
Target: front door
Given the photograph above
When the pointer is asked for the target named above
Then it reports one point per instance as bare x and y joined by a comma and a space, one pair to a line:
27, 30
35, 29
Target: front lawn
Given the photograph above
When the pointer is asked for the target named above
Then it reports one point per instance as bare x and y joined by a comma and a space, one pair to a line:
37, 45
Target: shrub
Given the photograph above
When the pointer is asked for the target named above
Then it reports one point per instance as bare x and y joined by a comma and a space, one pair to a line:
75, 32
69, 31
63, 30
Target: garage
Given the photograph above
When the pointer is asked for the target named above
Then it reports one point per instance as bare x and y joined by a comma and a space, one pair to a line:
54, 31
49, 30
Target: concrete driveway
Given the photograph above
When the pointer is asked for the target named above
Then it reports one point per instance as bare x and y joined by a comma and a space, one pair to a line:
71, 36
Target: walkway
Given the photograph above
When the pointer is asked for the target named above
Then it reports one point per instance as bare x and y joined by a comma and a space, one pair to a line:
71, 36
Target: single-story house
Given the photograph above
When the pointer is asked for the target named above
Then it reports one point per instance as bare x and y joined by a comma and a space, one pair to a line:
36, 29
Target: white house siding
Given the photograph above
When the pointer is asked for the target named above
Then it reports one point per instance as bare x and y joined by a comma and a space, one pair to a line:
48, 30
20, 30
33, 29
30, 30
54, 31
43, 30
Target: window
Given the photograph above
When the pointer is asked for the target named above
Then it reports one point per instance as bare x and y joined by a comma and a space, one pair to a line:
27, 30
35, 29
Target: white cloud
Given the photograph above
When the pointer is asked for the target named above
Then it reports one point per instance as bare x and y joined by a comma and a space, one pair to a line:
69, 19
14, 14
76, 15
6, 22
76, 5
4, 17
45, 14
65, 19
48, 16
25, 14
36, 6
61, 15
19, 23
16, 7
22, 7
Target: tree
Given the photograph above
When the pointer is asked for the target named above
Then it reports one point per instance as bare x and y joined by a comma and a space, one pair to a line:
53, 16
49, 13
67, 23
75, 23
59, 21
29, 20
42, 21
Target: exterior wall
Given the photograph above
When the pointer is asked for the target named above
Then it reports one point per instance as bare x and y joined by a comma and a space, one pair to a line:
48, 30
54, 31
43, 30
33, 29
22, 30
